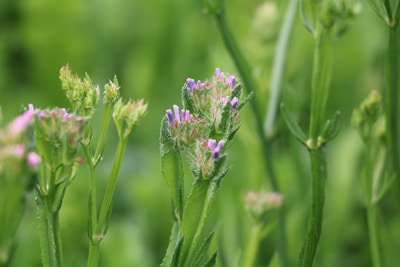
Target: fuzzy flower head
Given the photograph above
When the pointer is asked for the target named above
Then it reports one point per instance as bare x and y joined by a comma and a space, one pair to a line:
184, 127
262, 205
58, 135
207, 158
127, 115
215, 100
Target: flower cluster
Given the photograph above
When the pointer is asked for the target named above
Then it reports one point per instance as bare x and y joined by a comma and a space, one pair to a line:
82, 94
261, 205
58, 135
210, 112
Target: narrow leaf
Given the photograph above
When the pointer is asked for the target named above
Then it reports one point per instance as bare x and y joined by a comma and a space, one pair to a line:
331, 128
192, 214
172, 246
199, 258
293, 126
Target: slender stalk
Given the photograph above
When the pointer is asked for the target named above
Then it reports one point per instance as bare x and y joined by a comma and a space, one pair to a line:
319, 174
278, 65
250, 253
102, 219
391, 99
244, 71
373, 235
105, 122
321, 77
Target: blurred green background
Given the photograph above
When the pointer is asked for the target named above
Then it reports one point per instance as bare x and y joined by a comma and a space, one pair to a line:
153, 46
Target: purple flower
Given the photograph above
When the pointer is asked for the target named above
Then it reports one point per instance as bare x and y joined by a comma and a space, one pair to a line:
33, 159
178, 116
231, 81
234, 102
218, 74
225, 99
190, 84
215, 149
170, 117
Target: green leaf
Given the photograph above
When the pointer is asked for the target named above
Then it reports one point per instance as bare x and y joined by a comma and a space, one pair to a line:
172, 246
293, 126
177, 253
171, 167
192, 215
331, 129
226, 118
212, 261
200, 256
274, 261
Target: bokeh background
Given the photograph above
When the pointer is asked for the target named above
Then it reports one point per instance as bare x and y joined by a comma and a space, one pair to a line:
153, 46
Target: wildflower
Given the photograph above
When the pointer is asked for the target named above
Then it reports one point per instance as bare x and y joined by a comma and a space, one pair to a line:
215, 149
178, 116
231, 81
234, 102
190, 84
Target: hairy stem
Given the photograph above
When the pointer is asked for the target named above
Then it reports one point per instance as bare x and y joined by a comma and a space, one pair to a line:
50, 236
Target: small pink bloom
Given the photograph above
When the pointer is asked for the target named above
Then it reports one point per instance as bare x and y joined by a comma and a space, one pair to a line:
33, 159
22, 121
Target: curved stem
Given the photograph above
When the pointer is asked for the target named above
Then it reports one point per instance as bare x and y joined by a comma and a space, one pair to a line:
319, 174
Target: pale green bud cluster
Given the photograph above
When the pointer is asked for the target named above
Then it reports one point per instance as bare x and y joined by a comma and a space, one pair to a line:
367, 114
127, 115
82, 94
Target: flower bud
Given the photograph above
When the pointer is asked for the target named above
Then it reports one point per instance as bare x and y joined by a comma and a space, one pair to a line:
127, 115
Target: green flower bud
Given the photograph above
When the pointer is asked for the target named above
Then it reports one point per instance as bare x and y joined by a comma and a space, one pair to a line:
127, 115
111, 92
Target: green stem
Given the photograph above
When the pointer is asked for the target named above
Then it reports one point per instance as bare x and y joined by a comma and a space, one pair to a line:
244, 71
250, 253
112, 183
373, 235
391, 99
321, 77
278, 65
50, 236
319, 175
94, 253
105, 122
